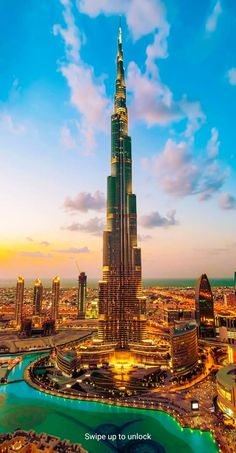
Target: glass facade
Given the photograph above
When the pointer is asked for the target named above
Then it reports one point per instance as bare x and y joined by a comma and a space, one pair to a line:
55, 297
184, 349
204, 305
38, 296
121, 305
82, 292
19, 299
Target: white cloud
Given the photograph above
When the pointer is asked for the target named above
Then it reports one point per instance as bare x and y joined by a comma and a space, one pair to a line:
70, 34
152, 102
74, 250
180, 174
194, 114
90, 100
67, 138
231, 74
213, 144
212, 20
158, 49
92, 226
155, 219
143, 17
85, 201
8, 123
87, 94
227, 201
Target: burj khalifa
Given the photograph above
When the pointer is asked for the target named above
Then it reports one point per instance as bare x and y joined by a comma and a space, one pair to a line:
122, 308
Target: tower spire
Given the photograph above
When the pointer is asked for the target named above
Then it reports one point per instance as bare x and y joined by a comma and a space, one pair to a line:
120, 32
120, 92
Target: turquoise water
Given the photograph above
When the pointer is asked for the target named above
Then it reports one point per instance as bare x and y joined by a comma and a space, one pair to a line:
147, 282
26, 408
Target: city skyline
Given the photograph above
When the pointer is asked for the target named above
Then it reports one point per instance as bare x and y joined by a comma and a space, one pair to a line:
56, 100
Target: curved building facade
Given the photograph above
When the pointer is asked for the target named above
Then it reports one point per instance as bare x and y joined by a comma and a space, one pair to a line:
184, 348
226, 389
204, 305
66, 361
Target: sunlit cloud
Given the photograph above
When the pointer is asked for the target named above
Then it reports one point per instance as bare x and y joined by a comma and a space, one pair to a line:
11, 125
83, 86
74, 250
213, 144
85, 201
180, 174
93, 226
29, 239
227, 201
67, 139
45, 243
36, 254
155, 219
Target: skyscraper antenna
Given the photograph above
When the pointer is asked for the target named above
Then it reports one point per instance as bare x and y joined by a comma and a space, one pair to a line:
120, 31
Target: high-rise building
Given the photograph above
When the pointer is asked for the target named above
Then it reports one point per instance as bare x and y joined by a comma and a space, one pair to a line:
38, 296
20, 283
122, 308
204, 305
55, 297
82, 293
235, 283
184, 347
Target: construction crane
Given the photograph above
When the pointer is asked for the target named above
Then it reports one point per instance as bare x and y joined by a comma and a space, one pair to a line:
76, 263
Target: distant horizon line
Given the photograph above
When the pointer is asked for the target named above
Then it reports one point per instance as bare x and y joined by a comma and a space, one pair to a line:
99, 278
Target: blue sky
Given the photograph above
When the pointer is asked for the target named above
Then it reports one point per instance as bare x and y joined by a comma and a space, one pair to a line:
57, 74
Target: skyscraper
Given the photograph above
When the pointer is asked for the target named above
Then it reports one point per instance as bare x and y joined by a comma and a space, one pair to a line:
204, 305
55, 297
19, 299
38, 296
82, 292
235, 283
121, 305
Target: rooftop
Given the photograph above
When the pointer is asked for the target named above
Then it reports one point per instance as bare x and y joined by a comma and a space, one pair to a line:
227, 375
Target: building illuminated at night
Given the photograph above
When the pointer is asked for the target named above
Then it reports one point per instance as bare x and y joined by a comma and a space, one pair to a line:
122, 308
55, 297
184, 347
20, 283
82, 293
226, 389
204, 305
38, 296
226, 330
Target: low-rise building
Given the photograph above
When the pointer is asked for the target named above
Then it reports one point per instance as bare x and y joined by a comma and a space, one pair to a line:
226, 389
226, 330
31, 442
67, 361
